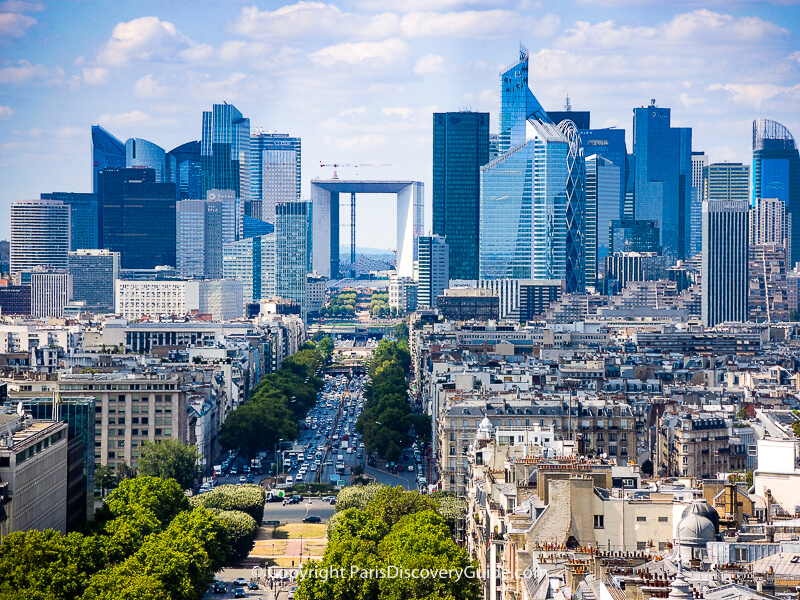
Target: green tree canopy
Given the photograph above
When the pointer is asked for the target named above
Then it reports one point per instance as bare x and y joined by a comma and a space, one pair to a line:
163, 497
169, 459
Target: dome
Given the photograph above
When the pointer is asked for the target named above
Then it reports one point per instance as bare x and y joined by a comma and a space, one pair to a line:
695, 530
704, 509
485, 430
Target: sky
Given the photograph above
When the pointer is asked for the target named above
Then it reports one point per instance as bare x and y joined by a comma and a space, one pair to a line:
359, 80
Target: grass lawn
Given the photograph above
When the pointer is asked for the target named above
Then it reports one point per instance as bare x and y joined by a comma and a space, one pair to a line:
293, 531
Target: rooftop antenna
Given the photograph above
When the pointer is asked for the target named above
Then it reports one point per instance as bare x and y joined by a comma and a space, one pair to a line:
567, 105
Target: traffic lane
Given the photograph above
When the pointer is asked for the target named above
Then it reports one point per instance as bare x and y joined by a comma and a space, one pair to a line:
295, 513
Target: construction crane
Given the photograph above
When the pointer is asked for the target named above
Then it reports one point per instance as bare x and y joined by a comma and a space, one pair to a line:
352, 207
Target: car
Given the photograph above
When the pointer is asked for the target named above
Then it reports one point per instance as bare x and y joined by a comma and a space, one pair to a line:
238, 593
252, 586
240, 581
293, 500
312, 519
220, 587
234, 471
242, 478
292, 591
250, 479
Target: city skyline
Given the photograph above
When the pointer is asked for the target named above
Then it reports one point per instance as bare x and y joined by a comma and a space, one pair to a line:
359, 81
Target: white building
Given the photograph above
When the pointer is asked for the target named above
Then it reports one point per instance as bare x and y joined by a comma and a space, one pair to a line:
403, 293
40, 235
50, 293
220, 298
315, 292
251, 262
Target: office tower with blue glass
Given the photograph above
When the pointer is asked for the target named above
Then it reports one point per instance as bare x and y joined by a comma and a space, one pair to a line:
251, 261
776, 171
107, 151
93, 274
225, 153
662, 176
141, 154
728, 181
40, 235
433, 269
291, 251
518, 104
460, 149
632, 235
188, 171
602, 208
83, 217
137, 217
699, 195
724, 273
275, 160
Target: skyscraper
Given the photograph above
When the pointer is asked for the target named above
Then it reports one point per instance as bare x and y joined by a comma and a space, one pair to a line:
724, 278
518, 104
776, 171
188, 171
662, 176
107, 151
602, 208
275, 160
729, 181
225, 152
83, 217
576, 208
699, 195
141, 154
190, 238
460, 149
137, 217
251, 261
630, 235
770, 223
291, 253
40, 235
434, 269
93, 274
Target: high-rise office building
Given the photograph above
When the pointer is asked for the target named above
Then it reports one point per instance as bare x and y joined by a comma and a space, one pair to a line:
724, 273
107, 151
576, 208
610, 144
15, 299
460, 149
251, 261
225, 153
40, 235
137, 217
291, 251
190, 238
524, 210
728, 181
602, 208
433, 269
631, 235
518, 105
776, 172
141, 154
83, 217
699, 195
50, 293
662, 176
93, 274
274, 172
188, 172
771, 223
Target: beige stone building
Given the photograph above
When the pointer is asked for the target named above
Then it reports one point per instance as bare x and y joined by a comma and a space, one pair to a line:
693, 445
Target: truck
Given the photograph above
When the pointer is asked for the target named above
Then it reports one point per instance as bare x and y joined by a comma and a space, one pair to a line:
218, 470
345, 443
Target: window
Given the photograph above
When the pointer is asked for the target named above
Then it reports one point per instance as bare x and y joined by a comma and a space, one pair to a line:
641, 545
452, 436
598, 521
641, 519
662, 545
663, 519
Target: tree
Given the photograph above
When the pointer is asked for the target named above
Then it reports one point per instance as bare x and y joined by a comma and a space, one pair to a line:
391, 504
742, 414
169, 459
325, 347
245, 498
163, 497
240, 529
647, 467
105, 477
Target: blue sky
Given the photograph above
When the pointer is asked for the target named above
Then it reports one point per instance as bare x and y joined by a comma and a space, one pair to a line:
358, 80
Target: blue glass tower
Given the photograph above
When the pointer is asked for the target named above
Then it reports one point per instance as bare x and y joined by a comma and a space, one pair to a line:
141, 154
518, 104
275, 160
107, 151
602, 207
460, 149
776, 171
82, 216
225, 152
662, 176
188, 173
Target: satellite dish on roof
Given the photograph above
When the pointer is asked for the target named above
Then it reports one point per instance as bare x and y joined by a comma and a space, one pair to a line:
20, 410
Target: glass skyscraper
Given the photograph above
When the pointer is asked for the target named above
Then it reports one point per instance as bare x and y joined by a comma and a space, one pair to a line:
602, 208
728, 181
434, 270
275, 160
724, 277
225, 152
699, 195
83, 217
107, 151
291, 256
460, 149
251, 261
188, 172
576, 208
141, 154
662, 176
776, 171
518, 104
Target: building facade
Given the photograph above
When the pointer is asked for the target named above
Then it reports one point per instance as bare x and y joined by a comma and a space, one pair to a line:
724, 278
602, 208
93, 275
225, 153
275, 160
252, 262
40, 235
728, 181
223, 299
107, 151
291, 251
141, 154
460, 149
432, 269
699, 195
82, 215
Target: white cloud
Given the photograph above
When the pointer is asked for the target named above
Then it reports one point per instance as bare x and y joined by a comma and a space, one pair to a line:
430, 64
312, 22
6, 112
14, 25
121, 119
25, 71
478, 24
402, 111
754, 94
147, 87
143, 39
388, 52
95, 75
20, 6
358, 110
